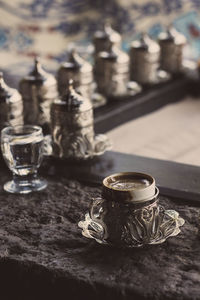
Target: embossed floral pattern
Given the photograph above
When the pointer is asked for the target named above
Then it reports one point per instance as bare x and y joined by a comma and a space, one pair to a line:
120, 224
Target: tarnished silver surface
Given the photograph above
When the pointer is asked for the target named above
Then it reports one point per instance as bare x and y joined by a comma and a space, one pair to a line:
122, 218
171, 45
11, 105
38, 90
77, 69
72, 128
144, 60
112, 72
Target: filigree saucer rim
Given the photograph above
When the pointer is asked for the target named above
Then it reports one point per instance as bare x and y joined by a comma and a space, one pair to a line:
175, 232
49, 153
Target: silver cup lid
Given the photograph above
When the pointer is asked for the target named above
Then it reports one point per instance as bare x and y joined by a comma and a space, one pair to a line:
71, 101
39, 75
108, 33
145, 43
115, 54
76, 63
172, 35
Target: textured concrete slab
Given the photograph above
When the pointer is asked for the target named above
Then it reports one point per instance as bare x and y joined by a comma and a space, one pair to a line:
44, 256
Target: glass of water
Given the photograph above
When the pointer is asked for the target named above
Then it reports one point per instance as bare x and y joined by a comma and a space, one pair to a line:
22, 148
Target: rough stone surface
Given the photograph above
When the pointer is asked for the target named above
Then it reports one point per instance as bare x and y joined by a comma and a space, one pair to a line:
44, 256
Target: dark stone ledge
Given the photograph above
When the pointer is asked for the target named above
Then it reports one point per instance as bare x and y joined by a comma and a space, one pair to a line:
173, 179
44, 256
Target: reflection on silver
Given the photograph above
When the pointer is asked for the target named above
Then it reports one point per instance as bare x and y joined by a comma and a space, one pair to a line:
149, 226
38, 90
144, 60
72, 128
171, 44
129, 224
11, 105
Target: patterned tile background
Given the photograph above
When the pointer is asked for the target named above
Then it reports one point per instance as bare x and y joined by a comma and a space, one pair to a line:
49, 27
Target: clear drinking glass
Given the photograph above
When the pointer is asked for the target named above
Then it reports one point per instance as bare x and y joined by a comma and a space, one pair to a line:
22, 148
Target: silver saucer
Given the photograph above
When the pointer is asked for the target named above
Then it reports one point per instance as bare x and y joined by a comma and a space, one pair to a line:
101, 145
169, 226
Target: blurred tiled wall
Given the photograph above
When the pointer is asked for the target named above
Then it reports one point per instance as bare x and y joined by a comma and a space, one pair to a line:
49, 27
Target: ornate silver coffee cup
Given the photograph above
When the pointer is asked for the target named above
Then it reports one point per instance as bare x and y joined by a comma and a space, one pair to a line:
11, 105
112, 72
111, 65
80, 71
128, 213
107, 61
38, 90
171, 44
72, 128
144, 60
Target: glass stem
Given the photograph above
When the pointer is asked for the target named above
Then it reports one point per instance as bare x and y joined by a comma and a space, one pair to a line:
24, 178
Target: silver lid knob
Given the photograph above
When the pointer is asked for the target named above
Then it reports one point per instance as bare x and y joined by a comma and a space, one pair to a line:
173, 36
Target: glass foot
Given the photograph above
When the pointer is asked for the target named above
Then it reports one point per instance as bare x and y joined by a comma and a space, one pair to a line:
25, 186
